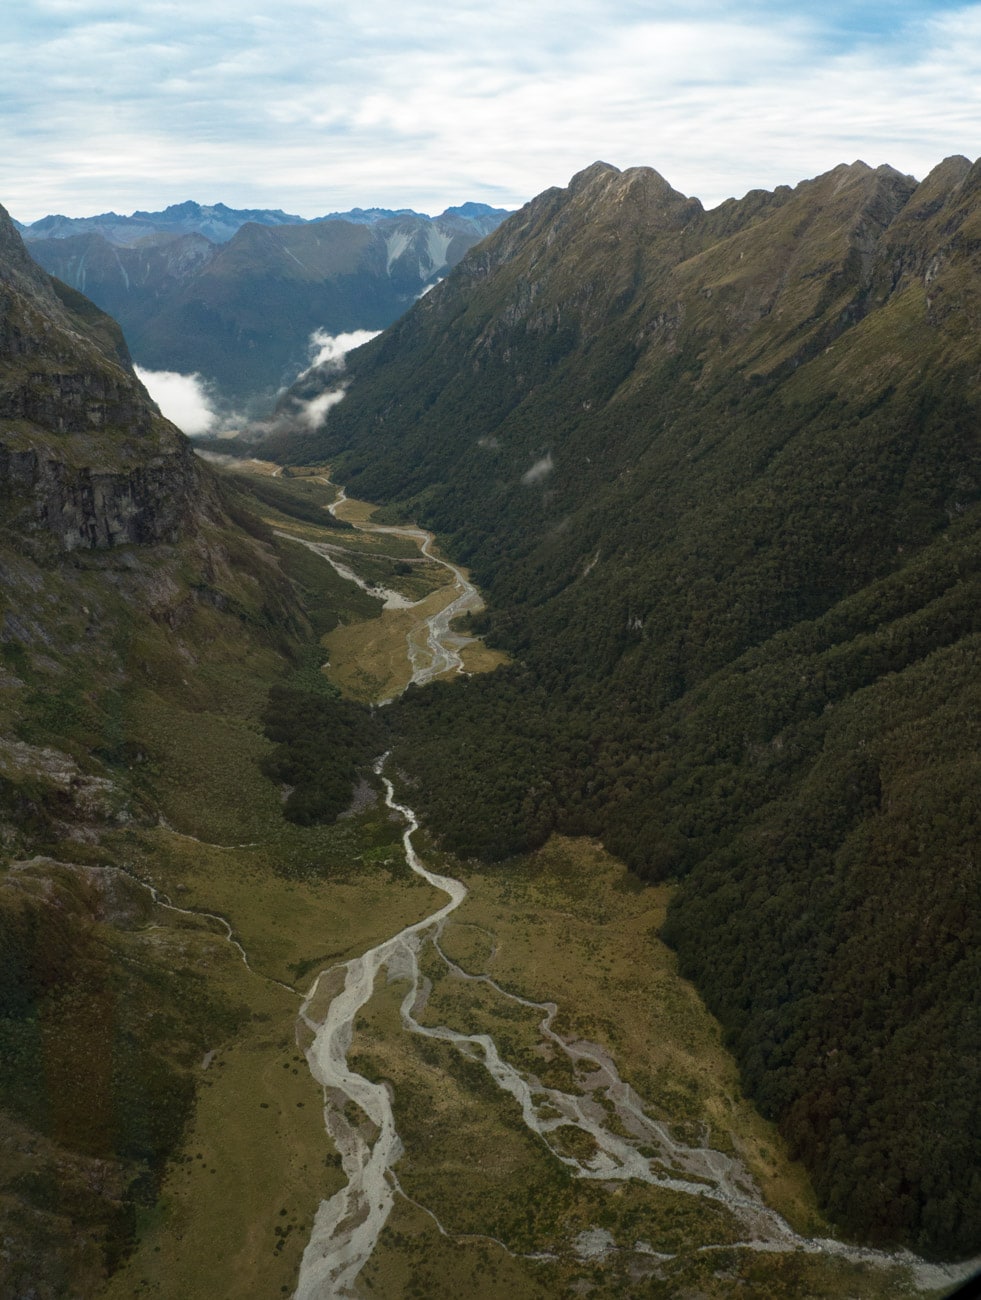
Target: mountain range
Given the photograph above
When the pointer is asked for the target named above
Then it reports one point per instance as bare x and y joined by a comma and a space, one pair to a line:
718, 474
215, 221
218, 222
235, 295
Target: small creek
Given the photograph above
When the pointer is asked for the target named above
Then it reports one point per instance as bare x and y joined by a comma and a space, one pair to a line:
433, 649
359, 1113
439, 652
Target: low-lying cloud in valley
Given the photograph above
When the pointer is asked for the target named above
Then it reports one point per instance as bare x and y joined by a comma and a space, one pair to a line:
312, 413
184, 399
331, 349
327, 354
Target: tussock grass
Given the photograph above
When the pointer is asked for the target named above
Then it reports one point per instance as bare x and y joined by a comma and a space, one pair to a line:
256, 1147
572, 925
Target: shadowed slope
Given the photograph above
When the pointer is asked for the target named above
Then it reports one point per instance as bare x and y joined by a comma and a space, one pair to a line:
718, 475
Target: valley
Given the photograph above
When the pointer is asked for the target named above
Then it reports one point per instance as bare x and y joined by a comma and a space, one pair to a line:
418, 637
502, 1127
696, 1017
725, 513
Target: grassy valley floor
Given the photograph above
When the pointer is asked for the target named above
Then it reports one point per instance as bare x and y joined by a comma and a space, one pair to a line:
486, 1209
238, 1201
369, 661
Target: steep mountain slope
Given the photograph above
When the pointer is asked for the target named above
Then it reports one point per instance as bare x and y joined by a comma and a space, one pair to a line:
84, 460
132, 282
718, 472
241, 312
141, 630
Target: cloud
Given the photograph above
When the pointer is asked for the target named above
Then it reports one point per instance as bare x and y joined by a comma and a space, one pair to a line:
327, 357
312, 413
329, 350
418, 104
184, 399
541, 469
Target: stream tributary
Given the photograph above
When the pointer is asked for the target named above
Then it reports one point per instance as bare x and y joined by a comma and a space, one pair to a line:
433, 648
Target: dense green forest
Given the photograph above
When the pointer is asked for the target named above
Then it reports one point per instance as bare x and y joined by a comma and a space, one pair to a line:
717, 474
322, 744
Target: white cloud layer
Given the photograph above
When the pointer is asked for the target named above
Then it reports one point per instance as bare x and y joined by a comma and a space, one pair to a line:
327, 354
184, 399
324, 106
312, 413
331, 349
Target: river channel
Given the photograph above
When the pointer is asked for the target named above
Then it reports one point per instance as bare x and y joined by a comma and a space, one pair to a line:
626, 1142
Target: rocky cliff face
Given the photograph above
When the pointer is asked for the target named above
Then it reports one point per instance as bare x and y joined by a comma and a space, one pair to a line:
83, 507
85, 458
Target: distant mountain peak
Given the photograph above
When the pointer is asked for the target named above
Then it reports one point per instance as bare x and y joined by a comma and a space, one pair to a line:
186, 209
369, 216
478, 214
219, 223
216, 222
475, 210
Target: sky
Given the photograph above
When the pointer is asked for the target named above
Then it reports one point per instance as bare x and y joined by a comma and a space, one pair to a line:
316, 106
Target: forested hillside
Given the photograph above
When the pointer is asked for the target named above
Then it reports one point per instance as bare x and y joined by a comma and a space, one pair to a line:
717, 473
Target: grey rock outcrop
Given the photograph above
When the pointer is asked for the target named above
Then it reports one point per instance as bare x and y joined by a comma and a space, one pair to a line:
81, 506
